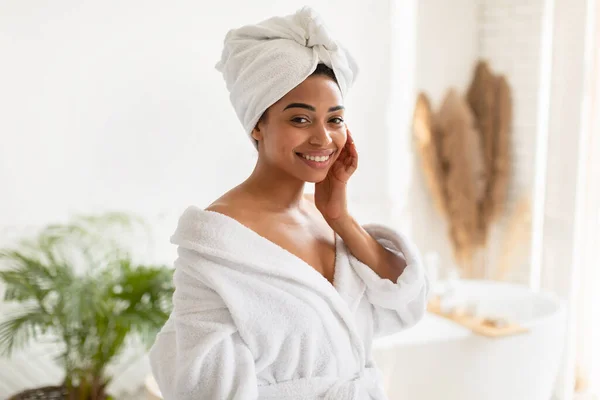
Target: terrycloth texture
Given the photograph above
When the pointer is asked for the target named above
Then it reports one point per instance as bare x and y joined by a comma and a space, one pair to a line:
263, 62
253, 321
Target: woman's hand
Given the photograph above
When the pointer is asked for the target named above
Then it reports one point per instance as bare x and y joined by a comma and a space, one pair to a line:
330, 193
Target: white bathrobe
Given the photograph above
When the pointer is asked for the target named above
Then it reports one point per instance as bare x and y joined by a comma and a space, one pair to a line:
253, 321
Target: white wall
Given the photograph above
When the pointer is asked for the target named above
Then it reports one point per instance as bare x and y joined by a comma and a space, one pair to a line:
117, 105
447, 46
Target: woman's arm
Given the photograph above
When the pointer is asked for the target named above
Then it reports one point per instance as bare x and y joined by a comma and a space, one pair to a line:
396, 287
365, 248
399, 304
330, 199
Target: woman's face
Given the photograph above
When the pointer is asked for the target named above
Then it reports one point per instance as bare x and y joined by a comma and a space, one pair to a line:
304, 132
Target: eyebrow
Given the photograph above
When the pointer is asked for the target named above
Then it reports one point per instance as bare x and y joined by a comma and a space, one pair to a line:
311, 108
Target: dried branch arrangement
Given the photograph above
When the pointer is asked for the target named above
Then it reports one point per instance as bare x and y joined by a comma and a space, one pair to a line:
465, 156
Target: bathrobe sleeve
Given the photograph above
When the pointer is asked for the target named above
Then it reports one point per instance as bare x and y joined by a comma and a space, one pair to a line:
394, 305
199, 354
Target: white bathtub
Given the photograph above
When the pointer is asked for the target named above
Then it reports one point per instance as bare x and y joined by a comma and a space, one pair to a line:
438, 359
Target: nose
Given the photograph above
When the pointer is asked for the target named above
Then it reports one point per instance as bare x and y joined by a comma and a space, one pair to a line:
320, 136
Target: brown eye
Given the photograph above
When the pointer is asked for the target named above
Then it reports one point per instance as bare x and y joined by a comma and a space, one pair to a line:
300, 120
337, 120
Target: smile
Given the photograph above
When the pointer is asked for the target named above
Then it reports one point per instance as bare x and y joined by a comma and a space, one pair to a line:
316, 158
317, 161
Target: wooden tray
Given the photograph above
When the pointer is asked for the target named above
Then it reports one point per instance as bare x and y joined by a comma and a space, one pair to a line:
481, 326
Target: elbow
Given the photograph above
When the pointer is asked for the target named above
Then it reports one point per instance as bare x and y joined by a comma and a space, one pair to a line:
420, 304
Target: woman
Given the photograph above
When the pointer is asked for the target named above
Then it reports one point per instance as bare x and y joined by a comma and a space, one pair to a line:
279, 296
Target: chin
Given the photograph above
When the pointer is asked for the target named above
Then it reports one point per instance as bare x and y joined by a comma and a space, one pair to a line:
314, 178
310, 176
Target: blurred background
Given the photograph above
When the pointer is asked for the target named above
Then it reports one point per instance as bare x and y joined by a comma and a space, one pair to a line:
477, 125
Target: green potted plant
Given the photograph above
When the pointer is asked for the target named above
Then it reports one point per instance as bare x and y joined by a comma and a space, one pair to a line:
77, 285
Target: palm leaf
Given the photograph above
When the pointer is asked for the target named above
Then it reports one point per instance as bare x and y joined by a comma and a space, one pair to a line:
79, 283
18, 330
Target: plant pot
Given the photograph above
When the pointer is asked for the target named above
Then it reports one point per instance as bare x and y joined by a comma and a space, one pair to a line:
43, 393
47, 393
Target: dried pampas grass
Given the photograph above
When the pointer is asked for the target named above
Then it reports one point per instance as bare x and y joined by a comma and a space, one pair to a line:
465, 156
516, 237
462, 164
427, 143
490, 100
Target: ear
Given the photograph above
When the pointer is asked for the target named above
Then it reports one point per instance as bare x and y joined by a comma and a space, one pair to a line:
256, 133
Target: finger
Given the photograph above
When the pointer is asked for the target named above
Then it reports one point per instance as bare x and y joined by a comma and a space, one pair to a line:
347, 162
350, 170
351, 162
351, 145
354, 162
338, 168
349, 149
345, 152
349, 138
353, 157
352, 152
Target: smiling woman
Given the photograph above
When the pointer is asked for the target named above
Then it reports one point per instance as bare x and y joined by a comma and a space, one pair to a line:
279, 295
307, 122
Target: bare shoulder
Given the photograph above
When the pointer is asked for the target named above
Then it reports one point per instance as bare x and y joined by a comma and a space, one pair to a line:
232, 204
220, 206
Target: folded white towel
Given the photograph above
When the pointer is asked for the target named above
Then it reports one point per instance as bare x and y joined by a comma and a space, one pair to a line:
253, 321
263, 62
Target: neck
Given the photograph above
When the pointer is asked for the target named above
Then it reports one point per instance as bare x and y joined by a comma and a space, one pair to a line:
274, 188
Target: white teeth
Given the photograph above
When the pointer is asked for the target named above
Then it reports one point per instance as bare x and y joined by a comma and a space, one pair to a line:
317, 158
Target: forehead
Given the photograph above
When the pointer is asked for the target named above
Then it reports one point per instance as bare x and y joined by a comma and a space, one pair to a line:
318, 91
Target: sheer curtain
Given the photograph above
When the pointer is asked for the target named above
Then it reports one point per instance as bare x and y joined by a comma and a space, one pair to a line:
588, 228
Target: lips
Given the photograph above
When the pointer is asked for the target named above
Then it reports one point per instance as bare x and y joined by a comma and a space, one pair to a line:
317, 159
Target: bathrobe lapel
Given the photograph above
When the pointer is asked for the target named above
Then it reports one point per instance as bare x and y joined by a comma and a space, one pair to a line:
226, 238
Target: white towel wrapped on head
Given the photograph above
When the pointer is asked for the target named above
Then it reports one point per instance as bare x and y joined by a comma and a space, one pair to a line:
263, 62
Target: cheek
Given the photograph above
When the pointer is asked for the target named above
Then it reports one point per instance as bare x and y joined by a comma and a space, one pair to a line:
284, 139
289, 138
340, 138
